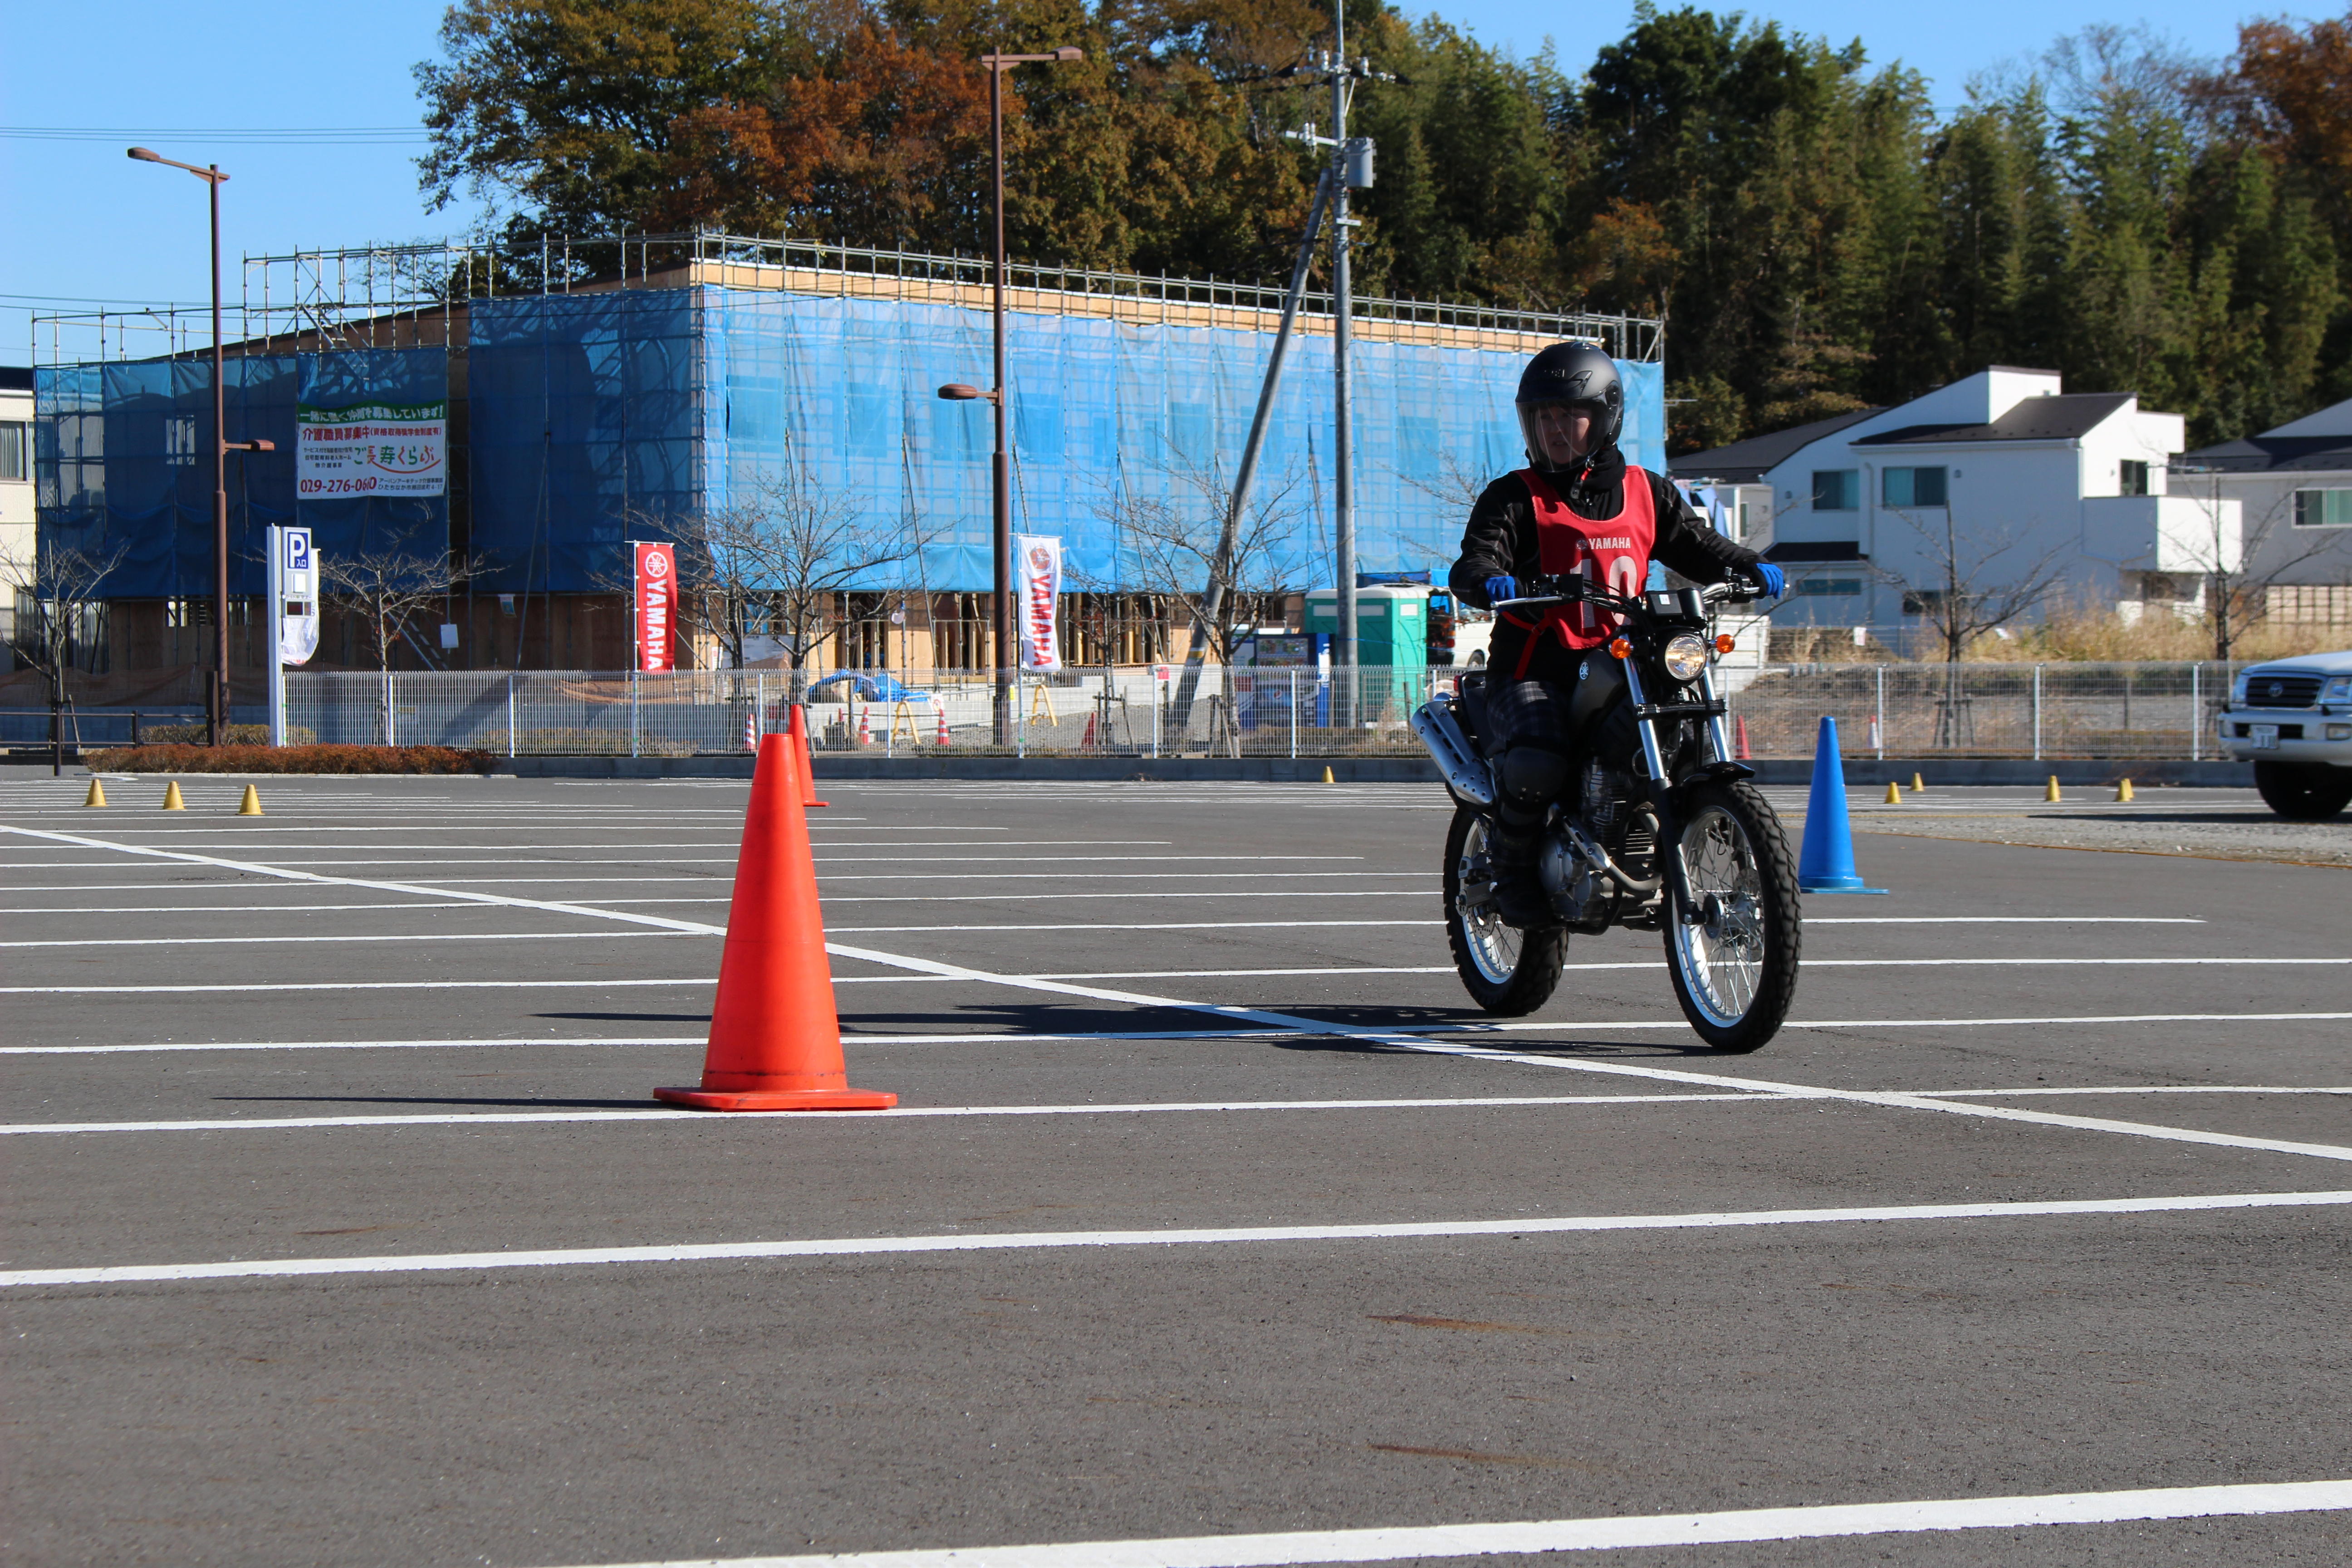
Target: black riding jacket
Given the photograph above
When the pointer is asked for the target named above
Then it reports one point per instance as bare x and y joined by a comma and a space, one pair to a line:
1500, 540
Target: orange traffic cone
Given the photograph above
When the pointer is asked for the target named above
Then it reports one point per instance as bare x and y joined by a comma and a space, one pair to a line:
865, 727
1739, 741
1086, 740
798, 731
775, 1037
939, 705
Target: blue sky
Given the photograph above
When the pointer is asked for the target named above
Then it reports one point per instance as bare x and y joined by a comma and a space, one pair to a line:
85, 224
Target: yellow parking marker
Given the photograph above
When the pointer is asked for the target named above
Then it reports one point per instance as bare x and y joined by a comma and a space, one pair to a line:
96, 795
171, 801
1894, 792
251, 804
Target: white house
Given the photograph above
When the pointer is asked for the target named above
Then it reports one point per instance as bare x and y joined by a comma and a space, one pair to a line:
2293, 486
16, 498
1999, 472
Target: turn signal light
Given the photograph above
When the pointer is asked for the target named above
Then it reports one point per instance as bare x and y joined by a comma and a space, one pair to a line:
1619, 648
1722, 643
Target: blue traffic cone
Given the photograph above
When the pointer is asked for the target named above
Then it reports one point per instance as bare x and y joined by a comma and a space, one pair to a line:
1826, 863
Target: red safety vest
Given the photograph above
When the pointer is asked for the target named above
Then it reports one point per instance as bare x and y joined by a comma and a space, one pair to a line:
1614, 553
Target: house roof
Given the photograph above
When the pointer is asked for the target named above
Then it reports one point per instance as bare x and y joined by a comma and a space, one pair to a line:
2066, 416
1745, 462
2273, 454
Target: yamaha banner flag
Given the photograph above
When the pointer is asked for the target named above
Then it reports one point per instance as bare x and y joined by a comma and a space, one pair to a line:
1037, 578
656, 604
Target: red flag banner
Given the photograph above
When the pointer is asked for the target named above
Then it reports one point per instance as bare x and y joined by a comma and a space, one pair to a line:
657, 605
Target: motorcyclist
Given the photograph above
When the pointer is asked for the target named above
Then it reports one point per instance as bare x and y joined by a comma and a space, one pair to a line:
1579, 508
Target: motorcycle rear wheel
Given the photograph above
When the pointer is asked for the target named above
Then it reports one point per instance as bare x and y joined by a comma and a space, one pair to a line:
1736, 971
1507, 970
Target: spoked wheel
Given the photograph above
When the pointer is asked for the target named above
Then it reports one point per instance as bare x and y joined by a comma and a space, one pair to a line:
1736, 969
1505, 969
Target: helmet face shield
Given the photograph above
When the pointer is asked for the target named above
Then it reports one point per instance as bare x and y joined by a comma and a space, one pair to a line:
1566, 378
1547, 428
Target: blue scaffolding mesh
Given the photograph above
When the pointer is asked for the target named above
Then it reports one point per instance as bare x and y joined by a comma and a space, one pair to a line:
597, 418
593, 419
124, 459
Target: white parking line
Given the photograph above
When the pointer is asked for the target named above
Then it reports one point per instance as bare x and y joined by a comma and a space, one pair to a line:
875, 1246
187, 857
1105, 975
1398, 1543
1415, 1037
651, 1113
276, 941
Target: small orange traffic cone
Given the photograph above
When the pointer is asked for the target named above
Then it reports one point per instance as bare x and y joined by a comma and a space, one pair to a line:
1739, 739
1086, 740
940, 703
797, 730
775, 1035
865, 727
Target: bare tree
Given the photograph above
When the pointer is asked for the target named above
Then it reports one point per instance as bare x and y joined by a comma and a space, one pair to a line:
2236, 597
1985, 580
62, 582
787, 557
385, 587
1182, 538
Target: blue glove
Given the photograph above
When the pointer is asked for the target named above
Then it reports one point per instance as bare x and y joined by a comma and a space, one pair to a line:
1774, 581
1501, 588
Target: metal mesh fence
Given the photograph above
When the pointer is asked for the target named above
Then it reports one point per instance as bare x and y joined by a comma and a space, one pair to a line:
2117, 711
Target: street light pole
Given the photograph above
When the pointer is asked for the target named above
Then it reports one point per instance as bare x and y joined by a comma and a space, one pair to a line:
216, 700
1001, 617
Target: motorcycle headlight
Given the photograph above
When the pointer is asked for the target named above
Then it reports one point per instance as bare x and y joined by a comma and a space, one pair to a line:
1686, 657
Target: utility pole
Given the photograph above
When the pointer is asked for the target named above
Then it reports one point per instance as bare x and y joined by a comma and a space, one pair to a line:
216, 700
1001, 613
1350, 169
1343, 486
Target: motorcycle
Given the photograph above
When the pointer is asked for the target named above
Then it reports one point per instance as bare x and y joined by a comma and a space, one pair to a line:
1660, 829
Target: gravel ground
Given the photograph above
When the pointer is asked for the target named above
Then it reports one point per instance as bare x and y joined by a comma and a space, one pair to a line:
2206, 823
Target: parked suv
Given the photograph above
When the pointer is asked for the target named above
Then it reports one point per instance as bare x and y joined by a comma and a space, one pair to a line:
2293, 720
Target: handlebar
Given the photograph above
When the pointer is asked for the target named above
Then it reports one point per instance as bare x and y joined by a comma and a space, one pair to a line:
1577, 590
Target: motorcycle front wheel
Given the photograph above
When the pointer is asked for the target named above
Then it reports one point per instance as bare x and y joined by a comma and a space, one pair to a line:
1735, 968
1507, 970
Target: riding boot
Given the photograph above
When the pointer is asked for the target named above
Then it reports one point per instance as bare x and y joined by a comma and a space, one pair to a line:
1519, 895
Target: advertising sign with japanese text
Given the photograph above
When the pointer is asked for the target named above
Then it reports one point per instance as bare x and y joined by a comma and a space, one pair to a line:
1037, 580
656, 601
371, 449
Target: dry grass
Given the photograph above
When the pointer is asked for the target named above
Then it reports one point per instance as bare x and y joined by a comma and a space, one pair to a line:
2074, 635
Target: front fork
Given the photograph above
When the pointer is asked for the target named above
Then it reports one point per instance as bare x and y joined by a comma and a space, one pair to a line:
1653, 762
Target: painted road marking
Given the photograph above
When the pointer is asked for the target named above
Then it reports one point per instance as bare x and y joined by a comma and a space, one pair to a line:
1410, 1036
1398, 1543
446, 1119
1086, 974
871, 1246
508, 901
505, 1118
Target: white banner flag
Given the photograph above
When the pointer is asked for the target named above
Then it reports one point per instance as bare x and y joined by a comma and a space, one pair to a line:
371, 449
1037, 578
297, 596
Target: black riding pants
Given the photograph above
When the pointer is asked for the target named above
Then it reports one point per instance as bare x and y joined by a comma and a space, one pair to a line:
1533, 728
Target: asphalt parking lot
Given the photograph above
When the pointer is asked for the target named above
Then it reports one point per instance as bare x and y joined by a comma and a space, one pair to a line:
344, 1229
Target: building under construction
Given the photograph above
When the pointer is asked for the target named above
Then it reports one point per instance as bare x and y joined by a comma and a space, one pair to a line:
596, 393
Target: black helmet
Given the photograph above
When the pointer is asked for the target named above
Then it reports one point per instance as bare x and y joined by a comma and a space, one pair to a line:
1571, 375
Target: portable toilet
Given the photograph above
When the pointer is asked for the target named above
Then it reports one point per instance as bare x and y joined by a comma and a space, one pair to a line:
1392, 644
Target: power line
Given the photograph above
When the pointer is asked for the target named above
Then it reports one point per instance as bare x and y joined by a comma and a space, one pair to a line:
311, 136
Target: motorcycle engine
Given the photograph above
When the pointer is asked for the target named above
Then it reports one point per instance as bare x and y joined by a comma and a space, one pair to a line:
1575, 886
